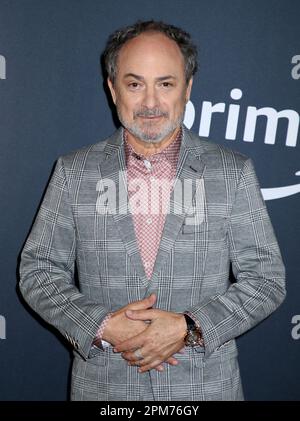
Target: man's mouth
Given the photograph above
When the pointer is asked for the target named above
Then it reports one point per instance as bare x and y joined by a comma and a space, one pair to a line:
155, 117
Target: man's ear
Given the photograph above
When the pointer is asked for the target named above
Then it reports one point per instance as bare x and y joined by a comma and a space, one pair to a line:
112, 90
188, 90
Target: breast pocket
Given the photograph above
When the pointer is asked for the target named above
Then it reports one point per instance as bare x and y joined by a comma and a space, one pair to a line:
213, 230
208, 247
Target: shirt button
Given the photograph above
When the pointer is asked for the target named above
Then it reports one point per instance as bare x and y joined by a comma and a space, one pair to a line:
148, 164
147, 264
149, 221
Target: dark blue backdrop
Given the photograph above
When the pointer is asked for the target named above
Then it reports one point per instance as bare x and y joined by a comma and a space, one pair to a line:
52, 101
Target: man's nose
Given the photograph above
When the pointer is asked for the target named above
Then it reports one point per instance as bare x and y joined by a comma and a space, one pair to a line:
150, 99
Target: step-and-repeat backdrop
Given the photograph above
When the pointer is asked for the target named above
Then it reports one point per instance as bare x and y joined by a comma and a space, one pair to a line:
246, 96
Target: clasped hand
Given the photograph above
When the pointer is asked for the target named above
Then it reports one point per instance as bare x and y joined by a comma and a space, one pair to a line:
158, 342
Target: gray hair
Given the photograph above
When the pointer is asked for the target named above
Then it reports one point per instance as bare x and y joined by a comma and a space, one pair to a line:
121, 36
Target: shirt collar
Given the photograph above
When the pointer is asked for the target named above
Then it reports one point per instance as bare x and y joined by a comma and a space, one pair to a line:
170, 152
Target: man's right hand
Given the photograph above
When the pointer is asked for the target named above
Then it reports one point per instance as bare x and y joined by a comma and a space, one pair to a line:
120, 328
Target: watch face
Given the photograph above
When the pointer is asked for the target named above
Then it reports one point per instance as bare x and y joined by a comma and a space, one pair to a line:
192, 338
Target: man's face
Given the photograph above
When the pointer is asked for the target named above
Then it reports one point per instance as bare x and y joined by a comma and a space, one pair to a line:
150, 90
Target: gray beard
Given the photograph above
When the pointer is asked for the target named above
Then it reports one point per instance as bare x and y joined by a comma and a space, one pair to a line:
146, 135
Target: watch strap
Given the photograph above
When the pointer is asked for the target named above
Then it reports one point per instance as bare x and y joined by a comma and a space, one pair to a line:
193, 325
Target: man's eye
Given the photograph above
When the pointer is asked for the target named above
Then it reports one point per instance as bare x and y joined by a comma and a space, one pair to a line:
167, 84
133, 85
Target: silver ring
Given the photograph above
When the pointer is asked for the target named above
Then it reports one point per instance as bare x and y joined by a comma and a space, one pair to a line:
138, 354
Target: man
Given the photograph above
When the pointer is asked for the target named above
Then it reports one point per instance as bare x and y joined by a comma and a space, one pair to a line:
154, 315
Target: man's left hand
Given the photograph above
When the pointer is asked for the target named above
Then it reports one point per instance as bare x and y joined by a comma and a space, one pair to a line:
162, 339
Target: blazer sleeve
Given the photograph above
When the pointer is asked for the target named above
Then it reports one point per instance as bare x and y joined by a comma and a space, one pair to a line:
256, 263
47, 270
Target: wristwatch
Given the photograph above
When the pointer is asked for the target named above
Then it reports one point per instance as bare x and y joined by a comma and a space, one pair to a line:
193, 336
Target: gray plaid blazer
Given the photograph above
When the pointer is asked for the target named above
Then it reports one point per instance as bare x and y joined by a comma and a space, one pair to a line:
191, 271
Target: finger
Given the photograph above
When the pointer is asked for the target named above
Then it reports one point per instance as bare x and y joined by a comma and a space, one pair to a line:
151, 299
130, 344
149, 366
132, 360
147, 302
172, 361
158, 368
147, 363
131, 356
141, 314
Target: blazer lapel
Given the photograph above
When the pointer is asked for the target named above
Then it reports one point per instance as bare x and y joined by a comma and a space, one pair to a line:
113, 168
189, 176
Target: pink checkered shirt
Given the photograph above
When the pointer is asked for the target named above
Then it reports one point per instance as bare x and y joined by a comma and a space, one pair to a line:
149, 212
150, 182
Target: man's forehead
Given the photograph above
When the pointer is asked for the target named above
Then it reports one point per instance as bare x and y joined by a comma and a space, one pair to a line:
151, 42
150, 37
150, 47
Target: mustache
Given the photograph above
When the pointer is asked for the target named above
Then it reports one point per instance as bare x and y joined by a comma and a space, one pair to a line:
150, 112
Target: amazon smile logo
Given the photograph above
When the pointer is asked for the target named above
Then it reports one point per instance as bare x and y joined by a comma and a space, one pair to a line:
280, 192
232, 112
